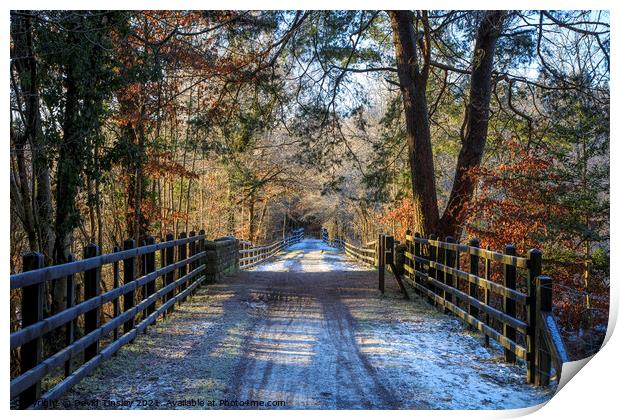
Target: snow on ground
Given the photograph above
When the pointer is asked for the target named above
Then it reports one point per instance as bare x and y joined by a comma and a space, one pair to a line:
441, 362
311, 329
431, 357
310, 256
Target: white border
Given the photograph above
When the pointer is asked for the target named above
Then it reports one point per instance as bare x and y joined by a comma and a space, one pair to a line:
591, 394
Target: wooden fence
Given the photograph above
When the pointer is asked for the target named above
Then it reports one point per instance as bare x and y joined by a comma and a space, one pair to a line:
252, 255
140, 294
516, 315
366, 254
182, 264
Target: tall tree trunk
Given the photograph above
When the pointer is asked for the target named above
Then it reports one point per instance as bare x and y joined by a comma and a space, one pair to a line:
201, 206
261, 219
412, 82
140, 221
251, 217
136, 184
21, 196
477, 123
98, 199
67, 176
82, 109
68, 171
188, 205
92, 234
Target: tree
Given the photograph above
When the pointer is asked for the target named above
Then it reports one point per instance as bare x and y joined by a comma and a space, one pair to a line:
33, 200
427, 46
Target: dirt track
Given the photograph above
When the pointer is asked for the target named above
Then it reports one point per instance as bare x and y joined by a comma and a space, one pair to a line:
304, 351
313, 340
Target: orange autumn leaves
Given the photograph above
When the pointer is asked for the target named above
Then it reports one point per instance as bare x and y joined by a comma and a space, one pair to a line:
399, 217
512, 203
163, 165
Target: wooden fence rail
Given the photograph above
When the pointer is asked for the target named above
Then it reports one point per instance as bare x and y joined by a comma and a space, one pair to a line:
141, 293
251, 256
516, 315
366, 254
146, 293
530, 333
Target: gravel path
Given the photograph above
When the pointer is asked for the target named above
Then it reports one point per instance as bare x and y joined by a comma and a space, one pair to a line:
313, 338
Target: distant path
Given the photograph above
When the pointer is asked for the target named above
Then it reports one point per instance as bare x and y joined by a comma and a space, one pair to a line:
310, 256
314, 338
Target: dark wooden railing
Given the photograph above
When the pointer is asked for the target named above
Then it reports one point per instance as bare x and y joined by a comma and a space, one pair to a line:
366, 254
527, 328
137, 298
251, 256
517, 316
143, 299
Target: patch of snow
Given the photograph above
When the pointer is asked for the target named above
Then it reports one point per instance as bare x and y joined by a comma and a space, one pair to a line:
450, 366
310, 256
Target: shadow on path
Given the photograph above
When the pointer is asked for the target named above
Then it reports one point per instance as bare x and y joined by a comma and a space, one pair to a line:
323, 339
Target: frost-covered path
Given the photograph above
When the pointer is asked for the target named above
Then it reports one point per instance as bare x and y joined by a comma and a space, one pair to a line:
310, 329
310, 256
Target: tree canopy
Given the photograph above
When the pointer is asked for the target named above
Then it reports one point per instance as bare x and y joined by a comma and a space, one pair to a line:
492, 124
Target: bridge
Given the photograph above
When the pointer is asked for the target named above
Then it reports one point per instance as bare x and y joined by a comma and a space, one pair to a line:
298, 323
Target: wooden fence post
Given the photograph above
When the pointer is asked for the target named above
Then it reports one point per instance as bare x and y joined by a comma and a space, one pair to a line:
162, 264
544, 303
203, 261
69, 326
237, 247
455, 279
534, 257
432, 272
474, 269
449, 261
441, 276
91, 289
141, 272
128, 277
144, 270
381, 256
169, 275
192, 249
32, 312
389, 250
416, 265
487, 293
510, 307
425, 254
150, 267
182, 255
409, 247
115, 302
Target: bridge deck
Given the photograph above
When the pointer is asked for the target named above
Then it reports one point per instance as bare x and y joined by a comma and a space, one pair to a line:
313, 338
